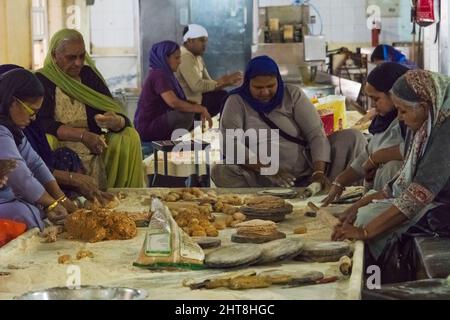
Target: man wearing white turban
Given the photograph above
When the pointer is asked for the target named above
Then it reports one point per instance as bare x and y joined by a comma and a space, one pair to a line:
193, 76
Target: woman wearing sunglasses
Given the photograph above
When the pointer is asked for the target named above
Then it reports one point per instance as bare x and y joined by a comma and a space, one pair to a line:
32, 193
64, 163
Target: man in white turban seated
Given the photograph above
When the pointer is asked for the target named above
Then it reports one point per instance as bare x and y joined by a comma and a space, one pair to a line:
193, 76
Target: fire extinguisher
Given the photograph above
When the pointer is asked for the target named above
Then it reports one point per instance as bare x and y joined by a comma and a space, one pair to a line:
422, 14
423, 11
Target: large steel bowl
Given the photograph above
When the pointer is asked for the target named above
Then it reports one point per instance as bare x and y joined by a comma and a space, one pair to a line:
85, 293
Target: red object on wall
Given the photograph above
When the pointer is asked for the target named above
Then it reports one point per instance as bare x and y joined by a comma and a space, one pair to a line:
425, 12
9, 230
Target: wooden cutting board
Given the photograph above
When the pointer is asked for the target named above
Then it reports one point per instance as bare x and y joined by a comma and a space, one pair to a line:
237, 255
257, 239
277, 217
207, 242
286, 209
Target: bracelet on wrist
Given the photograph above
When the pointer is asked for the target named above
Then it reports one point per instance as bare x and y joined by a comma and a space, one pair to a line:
318, 172
339, 185
52, 206
62, 199
372, 162
82, 136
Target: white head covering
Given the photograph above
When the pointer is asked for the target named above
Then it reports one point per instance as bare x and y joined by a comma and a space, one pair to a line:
195, 31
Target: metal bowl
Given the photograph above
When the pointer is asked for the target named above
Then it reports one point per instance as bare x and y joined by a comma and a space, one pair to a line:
86, 293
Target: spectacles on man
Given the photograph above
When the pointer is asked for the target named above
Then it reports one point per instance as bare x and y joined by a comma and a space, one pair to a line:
29, 110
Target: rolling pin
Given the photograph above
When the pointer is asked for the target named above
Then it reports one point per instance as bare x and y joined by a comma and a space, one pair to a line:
311, 190
321, 281
345, 265
325, 216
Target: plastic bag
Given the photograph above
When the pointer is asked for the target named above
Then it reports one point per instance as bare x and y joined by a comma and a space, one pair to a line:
337, 105
166, 245
327, 117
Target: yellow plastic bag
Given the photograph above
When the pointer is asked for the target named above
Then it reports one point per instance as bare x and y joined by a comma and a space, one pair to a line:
337, 104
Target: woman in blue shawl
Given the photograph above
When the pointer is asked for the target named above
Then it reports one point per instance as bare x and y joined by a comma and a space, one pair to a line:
299, 154
163, 106
386, 53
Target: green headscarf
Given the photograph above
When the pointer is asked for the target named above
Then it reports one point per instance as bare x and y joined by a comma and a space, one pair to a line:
71, 87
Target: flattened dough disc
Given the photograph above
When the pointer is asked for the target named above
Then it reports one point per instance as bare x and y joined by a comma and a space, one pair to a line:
281, 250
233, 256
257, 239
321, 249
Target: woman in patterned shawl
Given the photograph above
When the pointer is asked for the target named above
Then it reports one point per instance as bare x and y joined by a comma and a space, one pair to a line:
423, 183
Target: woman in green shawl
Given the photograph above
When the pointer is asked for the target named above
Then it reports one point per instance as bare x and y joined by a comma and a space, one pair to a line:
79, 111
423, 183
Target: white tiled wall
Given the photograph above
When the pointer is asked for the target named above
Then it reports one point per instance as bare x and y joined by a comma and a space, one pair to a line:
113, 27
345, 21
112, 24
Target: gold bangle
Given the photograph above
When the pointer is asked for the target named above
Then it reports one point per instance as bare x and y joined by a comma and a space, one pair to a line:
52, 206
373, 162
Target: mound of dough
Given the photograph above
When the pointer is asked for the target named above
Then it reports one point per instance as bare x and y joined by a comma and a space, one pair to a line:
99, 225
92, 205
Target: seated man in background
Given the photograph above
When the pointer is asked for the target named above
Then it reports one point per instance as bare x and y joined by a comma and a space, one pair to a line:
195, 80
80, 112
